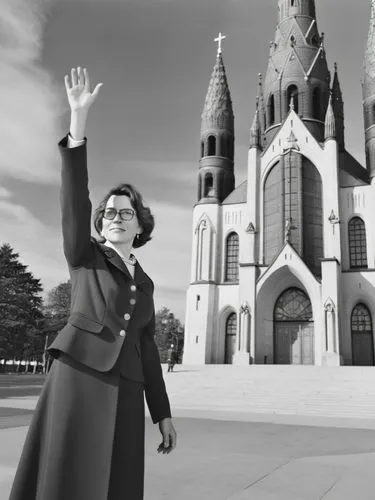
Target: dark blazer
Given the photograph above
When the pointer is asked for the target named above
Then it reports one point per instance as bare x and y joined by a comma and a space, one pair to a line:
106, 329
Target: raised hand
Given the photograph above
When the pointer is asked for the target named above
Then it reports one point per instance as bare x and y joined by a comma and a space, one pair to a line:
78, 90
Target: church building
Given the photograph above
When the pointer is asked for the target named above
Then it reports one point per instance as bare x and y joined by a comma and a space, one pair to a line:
283, 265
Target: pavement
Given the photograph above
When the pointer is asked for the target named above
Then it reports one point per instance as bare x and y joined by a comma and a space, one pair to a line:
235, 455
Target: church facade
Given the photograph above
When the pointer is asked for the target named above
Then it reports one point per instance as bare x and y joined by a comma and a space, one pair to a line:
283, 265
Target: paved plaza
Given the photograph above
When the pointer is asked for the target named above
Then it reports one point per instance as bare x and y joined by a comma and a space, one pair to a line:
230, 454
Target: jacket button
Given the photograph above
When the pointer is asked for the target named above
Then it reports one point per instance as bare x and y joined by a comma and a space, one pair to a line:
132, 301
127, 316
133, 288
122, 333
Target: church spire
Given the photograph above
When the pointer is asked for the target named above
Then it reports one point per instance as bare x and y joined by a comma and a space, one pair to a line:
369, 94
255, 129
330, 122
338, 109
218, 110
297, 69
216, 173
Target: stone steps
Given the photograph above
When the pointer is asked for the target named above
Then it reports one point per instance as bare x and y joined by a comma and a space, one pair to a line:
344, 392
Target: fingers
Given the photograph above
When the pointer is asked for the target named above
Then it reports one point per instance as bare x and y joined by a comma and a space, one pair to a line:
81, 76
87, 79
96, 90
168, 444
67, 85
74, 77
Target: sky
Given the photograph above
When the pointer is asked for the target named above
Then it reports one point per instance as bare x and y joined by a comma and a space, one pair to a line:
155, 59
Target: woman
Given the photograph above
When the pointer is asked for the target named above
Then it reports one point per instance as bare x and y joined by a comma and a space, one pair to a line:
86, 439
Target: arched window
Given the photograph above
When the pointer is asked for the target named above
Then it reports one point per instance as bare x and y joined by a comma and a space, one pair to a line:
293, 305
362, 336
292, 95
232, 258
202, 149
230, 338
357, 243
209, 185
316, 104
271, 110
211, 145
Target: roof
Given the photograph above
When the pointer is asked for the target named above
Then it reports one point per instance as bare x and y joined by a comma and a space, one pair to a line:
238, 195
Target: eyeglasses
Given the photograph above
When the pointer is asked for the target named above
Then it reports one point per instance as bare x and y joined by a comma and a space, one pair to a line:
125, 213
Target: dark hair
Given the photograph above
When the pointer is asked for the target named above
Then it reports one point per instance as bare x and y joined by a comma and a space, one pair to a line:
145, 218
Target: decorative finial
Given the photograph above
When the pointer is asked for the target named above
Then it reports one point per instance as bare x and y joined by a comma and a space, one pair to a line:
257, 103
219, 39
335, 66
291, 104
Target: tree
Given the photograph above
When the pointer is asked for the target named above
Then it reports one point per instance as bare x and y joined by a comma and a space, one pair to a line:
20, 307
168, 330
56, 312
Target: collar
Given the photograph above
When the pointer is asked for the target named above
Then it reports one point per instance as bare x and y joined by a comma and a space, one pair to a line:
114, 258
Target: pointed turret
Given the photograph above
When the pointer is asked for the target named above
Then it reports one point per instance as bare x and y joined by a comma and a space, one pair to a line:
338, 109
297, 70
255, 129
216, 175
369, 94
330, 122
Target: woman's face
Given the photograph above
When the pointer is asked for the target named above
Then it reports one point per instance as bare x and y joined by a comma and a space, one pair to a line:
117, 230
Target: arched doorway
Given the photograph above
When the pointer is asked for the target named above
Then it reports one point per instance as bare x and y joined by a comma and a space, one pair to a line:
293, 329
230, 338
362, 337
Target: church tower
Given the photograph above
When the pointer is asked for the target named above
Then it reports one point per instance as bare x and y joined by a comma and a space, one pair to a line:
216, 174
369, 95
297, 70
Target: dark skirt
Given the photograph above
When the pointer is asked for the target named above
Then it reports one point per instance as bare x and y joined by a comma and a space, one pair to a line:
86, 438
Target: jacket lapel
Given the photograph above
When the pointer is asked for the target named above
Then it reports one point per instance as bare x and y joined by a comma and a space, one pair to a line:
113, 257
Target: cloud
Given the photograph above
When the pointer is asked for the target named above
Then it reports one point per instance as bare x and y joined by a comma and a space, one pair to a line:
30, 102
5, 193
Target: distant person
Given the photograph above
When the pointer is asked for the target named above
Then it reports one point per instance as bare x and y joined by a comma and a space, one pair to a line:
171, 358
86, 439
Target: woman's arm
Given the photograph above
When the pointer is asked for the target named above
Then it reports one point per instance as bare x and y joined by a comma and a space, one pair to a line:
155, 391
74, 194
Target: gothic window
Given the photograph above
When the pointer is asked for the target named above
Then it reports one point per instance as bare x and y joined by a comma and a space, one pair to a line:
202, 149
211, 145
232, 258
273, 213
271, 110
230, 338
292, 96
357, 243
312, 210
293, 305
361, 319
362, 336
316, 103
209, 185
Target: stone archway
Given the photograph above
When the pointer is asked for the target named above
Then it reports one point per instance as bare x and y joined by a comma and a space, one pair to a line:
293, 328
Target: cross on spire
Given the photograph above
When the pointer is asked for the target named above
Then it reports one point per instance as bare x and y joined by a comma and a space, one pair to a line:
219, 39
